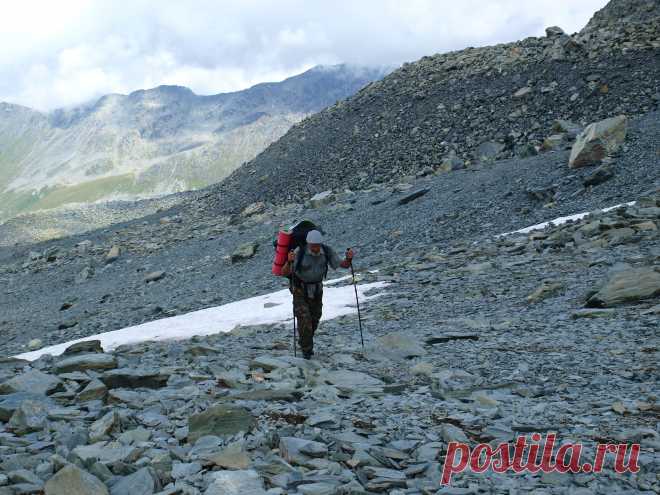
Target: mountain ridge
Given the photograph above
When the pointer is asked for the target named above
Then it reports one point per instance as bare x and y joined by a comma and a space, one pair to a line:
152, 142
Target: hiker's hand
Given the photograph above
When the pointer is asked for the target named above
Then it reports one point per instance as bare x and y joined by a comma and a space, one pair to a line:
349, 254
292, 256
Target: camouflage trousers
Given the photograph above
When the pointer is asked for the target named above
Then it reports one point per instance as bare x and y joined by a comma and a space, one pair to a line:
308, 314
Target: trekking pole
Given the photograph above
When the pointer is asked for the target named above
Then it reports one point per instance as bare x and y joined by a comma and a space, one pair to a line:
357, 301
294, 321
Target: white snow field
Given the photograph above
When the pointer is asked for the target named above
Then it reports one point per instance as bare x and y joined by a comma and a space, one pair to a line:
562, 220
271, 308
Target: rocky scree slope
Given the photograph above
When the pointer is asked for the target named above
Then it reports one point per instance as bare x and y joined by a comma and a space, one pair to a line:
554, 331
460, 108
65, 289
152, 142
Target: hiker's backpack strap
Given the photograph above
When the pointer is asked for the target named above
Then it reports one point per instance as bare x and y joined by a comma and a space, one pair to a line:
327, 260
299, 258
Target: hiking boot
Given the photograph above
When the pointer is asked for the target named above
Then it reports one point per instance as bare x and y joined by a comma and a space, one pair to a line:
308, 355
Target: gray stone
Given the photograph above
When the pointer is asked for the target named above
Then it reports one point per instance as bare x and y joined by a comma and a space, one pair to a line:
554, 31
84, 347
321, 199
154, 276
254, 209
553, 142
31, 415
106, 453
244, 252
221, 420
628, 286
522, 92
351, 380
135, 378
300, 451
100, 428
183, 470
141, 482
597, 141
321, 488
451, 433
23, 476
113, 254
32, 381
451, 162
600, 175
71, 480
231, 457
95, 390
245, 482
399, 345
489, 151
86, 362
413, 196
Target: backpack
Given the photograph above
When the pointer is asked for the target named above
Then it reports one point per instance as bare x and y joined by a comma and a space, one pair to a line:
299, 232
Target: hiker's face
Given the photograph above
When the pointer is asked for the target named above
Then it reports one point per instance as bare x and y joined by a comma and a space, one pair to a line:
315, 248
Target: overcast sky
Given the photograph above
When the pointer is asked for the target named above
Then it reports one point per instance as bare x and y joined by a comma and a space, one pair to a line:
61, 52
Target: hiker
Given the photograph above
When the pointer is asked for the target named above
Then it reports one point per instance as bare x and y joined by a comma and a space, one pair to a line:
308, 266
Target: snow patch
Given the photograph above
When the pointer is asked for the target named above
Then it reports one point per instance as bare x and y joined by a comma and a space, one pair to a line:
271, 308
562, 220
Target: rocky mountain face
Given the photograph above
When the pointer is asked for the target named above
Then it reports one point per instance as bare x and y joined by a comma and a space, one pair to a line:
483, 333
152, 142
465, 108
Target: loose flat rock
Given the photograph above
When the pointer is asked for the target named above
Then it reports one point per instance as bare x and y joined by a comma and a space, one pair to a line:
139, 483
413, 196
299, 451
231, 457
154, 276
245, 482
94, 390
113, 254
71, 480
134, 378
283, 394
244, 252
85, 347
351, 380
86, 362
33, 381
100, 428
31, 415
106, 453
628, 286
400, 346
220, 420
10, 403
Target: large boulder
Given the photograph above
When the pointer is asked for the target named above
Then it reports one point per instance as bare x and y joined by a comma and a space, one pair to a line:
597, 141
627, 286
71, 480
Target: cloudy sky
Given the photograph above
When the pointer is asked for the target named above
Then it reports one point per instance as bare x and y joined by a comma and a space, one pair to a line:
64, 52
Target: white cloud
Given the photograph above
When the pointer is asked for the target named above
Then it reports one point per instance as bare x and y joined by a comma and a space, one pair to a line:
66, 52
